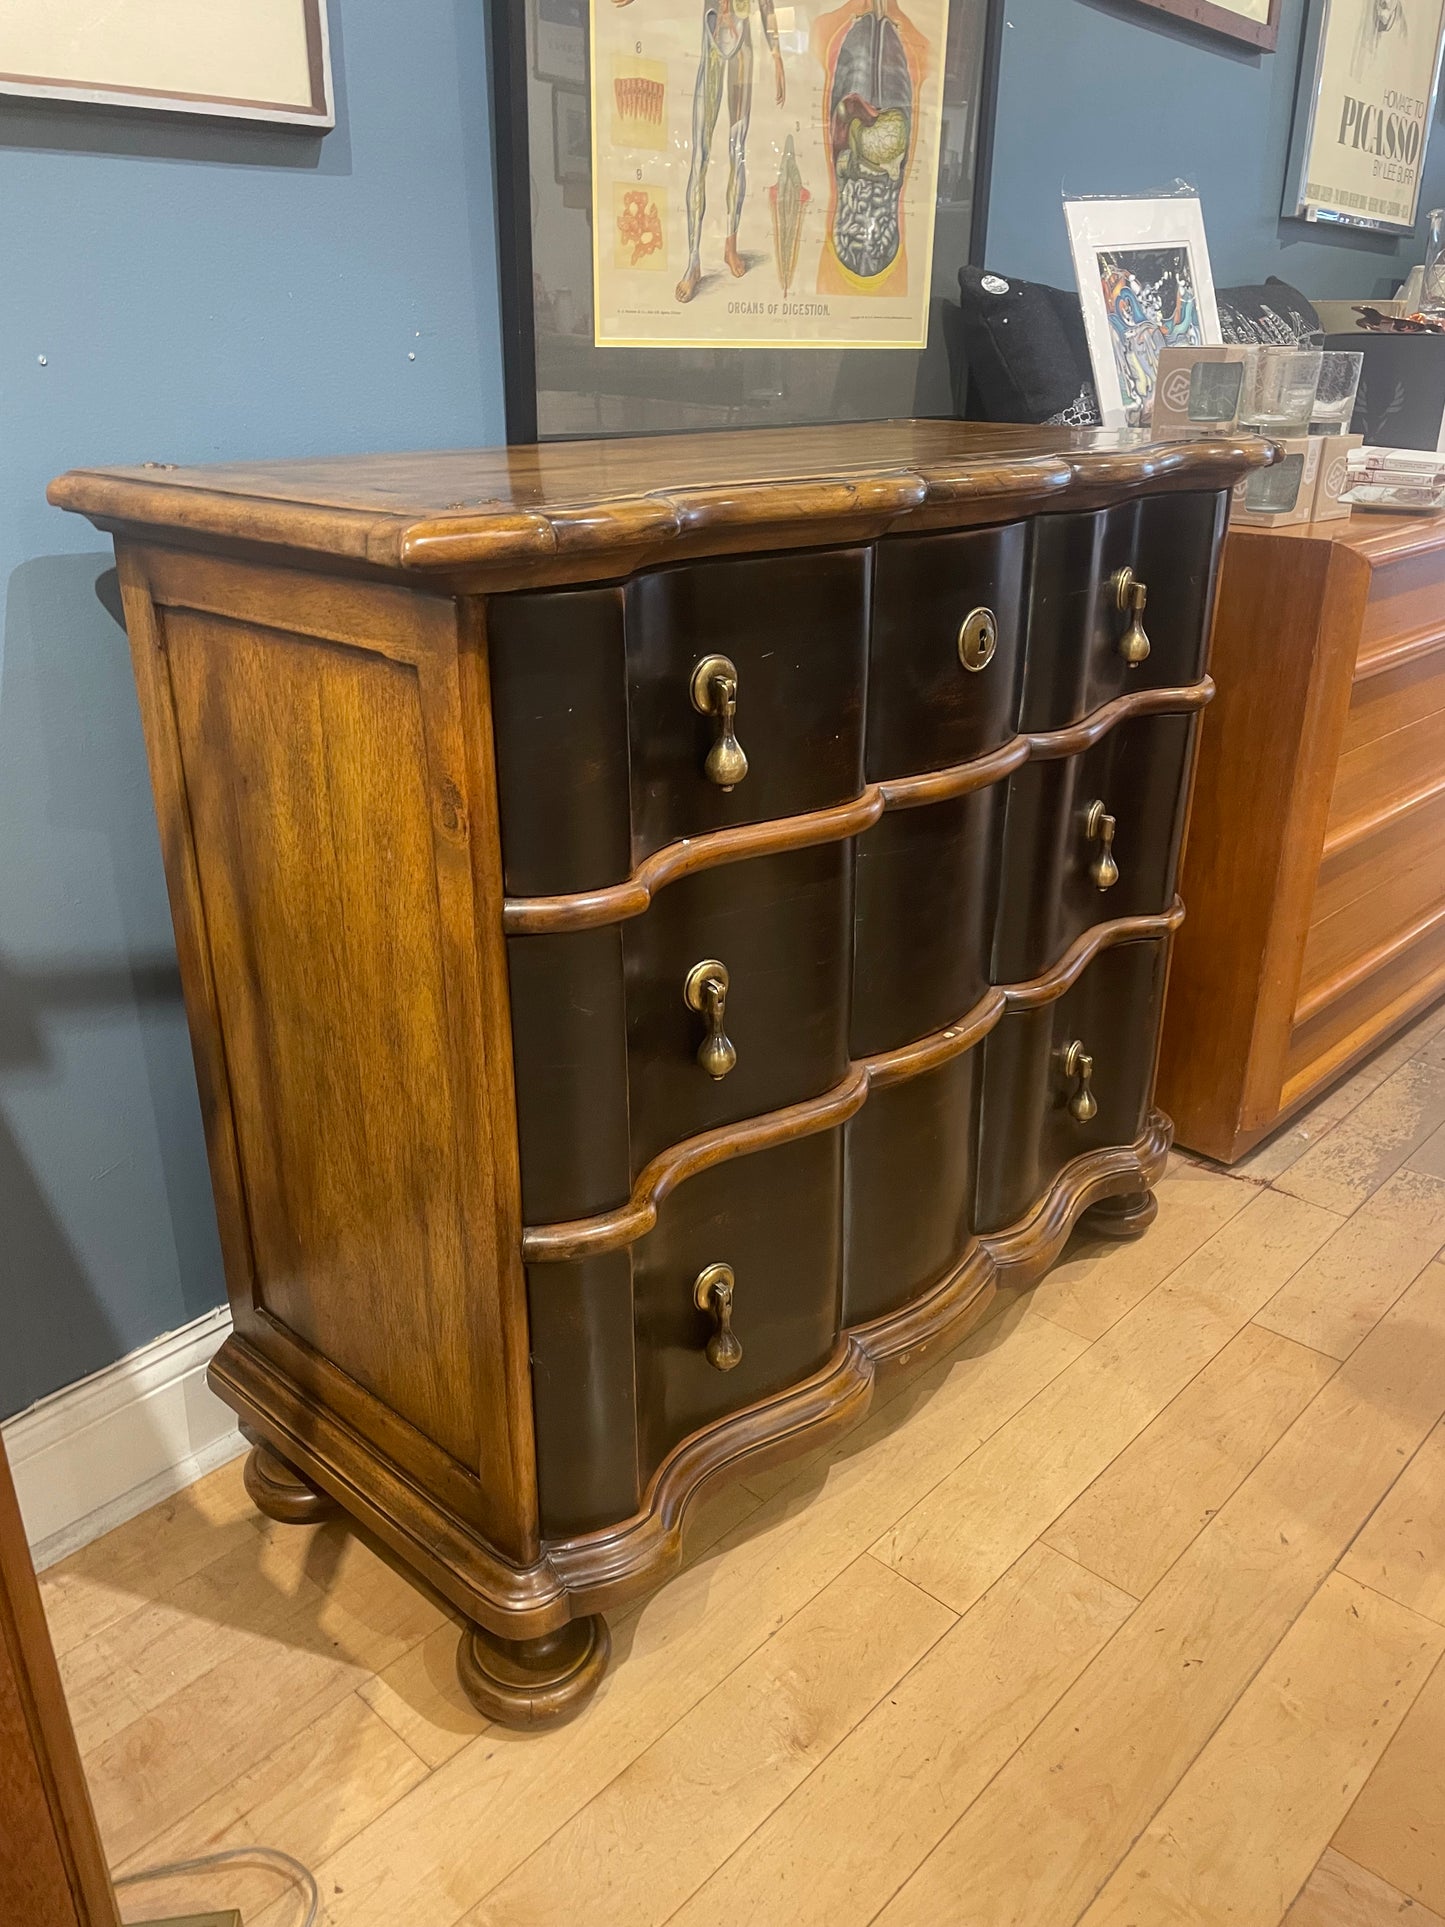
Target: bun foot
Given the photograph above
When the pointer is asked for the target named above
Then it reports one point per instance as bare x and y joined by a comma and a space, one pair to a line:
278, 1490
534, 1682
1126, 1217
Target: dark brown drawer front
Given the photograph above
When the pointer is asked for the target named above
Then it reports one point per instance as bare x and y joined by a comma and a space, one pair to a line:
559, 720
927, 883
795, 627
606, 1045
926, 708
584, 1398
1073, 663
776, 1218
1050, 893
1027, 1133
908, 1191
601, 755
781, 925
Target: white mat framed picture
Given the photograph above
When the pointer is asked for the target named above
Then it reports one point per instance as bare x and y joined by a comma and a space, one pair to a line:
265, 60
1145, 284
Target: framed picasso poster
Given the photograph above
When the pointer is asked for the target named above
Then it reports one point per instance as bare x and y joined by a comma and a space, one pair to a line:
1369, 73
779, 196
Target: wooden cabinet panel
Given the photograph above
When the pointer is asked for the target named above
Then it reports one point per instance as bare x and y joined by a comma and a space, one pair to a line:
926, 708
927, 884
1407, 597
908, 1191
1393, 698
1049, 893
796, 629
1372, 890
776, 1219
1375, 774
1171, 543
1027, 1131
317, 825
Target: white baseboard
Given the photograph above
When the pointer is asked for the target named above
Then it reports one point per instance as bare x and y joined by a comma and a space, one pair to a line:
97, 1453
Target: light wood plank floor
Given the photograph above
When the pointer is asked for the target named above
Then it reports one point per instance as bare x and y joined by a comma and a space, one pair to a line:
1131, 1612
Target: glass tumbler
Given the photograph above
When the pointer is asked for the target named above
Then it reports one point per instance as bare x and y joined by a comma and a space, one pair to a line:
1335, 391
1281, 393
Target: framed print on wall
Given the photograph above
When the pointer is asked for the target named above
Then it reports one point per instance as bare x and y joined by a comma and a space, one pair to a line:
1369, 72
1255, 22
779, 196
1145, 285
267, 60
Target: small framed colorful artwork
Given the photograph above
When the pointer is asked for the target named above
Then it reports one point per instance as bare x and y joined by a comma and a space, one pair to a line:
1145, 284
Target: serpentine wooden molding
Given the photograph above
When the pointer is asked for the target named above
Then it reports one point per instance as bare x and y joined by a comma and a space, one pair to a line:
505, 518
624, 1225
619, 902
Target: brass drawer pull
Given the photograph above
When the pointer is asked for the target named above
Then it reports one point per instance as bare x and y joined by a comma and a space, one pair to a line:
1099, 827
978, 638
715, 693
706, 992
1078, 1064
1130, 595
713, 1293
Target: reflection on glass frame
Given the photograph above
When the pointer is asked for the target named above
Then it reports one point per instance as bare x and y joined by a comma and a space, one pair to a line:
1369, 74
560, 382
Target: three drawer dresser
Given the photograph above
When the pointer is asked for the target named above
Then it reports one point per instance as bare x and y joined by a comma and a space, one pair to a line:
667, 926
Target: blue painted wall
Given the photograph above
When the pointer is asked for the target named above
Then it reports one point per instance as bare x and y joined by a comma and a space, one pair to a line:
1112, 97
183, 293
190, 293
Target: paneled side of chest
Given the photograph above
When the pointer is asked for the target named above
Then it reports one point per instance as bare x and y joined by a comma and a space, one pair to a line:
838, 892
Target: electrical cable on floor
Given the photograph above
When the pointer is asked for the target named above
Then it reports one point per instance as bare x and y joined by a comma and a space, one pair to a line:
273, 1856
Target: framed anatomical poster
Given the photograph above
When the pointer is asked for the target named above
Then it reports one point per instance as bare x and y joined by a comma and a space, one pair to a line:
752, 212
765, 175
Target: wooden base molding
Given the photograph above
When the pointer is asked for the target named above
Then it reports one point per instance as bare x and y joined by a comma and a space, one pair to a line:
515, 1609
1126, 1216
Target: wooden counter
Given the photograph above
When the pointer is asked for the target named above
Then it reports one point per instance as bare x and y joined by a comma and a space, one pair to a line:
1315, 874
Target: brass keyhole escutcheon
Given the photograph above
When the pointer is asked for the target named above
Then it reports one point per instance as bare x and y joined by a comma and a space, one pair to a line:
714, 691
706, 991
978, 638
1079, 1069
1131, 595
712, 1292
1099, 827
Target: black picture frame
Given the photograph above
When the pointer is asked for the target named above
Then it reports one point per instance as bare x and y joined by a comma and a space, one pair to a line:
512, 63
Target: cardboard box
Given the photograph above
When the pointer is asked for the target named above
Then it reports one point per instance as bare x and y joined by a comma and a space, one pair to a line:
1279, 496
1199, 391
1333, 478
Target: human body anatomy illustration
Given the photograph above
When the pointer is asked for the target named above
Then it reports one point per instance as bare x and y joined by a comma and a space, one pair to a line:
725, 65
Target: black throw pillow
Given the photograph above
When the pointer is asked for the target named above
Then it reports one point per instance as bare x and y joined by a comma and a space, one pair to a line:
1271, 314
1026, 351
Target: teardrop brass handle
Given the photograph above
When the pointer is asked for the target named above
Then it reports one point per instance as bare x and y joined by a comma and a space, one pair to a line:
1099, 827
1078, 1065
713, 1293
715, 693
1131, 595
706, 991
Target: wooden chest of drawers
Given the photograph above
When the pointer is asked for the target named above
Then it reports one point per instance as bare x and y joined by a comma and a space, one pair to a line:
1315, 878
666, 926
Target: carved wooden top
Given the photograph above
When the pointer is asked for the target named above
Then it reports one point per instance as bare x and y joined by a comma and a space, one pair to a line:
568, 510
